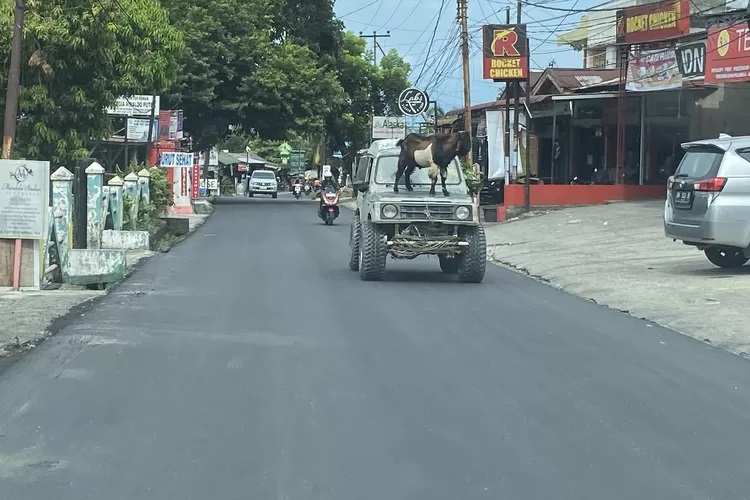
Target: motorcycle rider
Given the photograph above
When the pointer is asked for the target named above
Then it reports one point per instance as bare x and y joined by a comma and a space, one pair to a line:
328, 180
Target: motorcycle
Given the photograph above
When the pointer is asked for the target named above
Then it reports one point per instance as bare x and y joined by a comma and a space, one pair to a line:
307, 189
297, 191
329, 206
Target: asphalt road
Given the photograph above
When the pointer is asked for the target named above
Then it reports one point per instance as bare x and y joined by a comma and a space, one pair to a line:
250, 363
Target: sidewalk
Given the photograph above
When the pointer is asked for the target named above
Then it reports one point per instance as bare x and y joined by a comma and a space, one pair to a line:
28, 317
617, 255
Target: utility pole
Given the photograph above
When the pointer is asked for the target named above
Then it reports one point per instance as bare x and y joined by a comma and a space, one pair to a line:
508, 143
375, 44
467, 82
516, 101
375, 47
12, 96
14, 80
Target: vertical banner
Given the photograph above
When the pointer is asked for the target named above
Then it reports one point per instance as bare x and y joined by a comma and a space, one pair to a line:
195, 177
183, 181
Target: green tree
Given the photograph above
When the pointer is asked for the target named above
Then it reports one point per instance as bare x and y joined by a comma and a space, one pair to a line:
242, 68
392, 77
368, 88
79, 56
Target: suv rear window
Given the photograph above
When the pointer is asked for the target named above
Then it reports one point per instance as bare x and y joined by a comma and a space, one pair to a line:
700, 162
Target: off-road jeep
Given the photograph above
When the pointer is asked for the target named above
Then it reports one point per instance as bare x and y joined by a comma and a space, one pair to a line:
407, 224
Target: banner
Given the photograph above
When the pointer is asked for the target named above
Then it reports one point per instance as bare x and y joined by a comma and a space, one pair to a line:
195, 178
727, 55
388, 127
504, 52
137, 130
653, 70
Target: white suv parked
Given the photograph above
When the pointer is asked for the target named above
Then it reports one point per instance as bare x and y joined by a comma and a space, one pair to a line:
263, 182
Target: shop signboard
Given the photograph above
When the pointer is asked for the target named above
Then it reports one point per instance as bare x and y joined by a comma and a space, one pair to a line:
691, 59
388, 127
653, 22
195, 179
653, 70
24, 199
135, 105
728, 54
505, 52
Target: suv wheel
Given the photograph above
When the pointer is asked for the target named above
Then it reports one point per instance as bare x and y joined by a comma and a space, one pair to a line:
354, 234
449, 265
473, 261
728, 258
372, 252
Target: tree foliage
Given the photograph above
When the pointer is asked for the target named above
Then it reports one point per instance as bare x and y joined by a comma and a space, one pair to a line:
243, 66
78, 57
274, 69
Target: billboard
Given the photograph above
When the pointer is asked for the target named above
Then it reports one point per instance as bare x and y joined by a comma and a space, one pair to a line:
505, 52
727, 54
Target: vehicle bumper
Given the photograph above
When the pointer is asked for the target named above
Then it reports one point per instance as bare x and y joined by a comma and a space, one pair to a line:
716, 228
263, 190
405, 246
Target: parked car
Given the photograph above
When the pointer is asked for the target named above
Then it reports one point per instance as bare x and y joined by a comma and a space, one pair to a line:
708, 199
263, 182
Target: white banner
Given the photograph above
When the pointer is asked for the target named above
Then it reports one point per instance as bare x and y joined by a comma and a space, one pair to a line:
388, 127
135, 105
175, 159
137, 130
213, 158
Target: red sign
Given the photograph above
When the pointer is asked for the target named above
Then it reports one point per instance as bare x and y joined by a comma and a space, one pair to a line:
728, 54
505, 52
183, 181
653, 22
195, 178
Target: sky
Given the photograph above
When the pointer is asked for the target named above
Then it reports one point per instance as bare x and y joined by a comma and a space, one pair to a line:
436, 65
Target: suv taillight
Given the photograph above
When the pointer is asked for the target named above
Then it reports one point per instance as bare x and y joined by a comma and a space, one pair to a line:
714, 185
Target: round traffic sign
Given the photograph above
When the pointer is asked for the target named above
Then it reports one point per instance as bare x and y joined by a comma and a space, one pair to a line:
413, 101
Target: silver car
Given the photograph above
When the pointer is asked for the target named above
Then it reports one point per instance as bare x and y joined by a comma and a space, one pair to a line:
263, 182
708, 199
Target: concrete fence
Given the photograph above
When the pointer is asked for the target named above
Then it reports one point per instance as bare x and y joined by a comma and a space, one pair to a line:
107, 240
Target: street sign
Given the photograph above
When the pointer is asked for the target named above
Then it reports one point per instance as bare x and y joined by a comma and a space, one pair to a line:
413, 101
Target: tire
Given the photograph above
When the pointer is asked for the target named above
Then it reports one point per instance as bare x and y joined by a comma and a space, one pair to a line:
273, 195
249, 194
449, 265
473, 263
727, 258
372, 252
354, 235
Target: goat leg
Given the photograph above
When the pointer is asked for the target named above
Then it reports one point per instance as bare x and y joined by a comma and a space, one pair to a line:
443, 175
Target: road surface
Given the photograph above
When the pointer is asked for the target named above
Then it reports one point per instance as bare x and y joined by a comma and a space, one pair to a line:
250, 363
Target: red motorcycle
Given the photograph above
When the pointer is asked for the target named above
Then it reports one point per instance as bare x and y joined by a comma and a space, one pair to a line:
329, 205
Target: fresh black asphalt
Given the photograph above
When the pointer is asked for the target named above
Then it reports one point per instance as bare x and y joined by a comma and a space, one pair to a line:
249, 363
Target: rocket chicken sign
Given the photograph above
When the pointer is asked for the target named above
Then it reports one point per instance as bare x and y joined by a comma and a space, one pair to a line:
505, 52
653, 22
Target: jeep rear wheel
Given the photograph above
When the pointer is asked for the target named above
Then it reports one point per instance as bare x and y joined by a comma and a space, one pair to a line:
449, 265
473, 262
354, 232
373, 251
